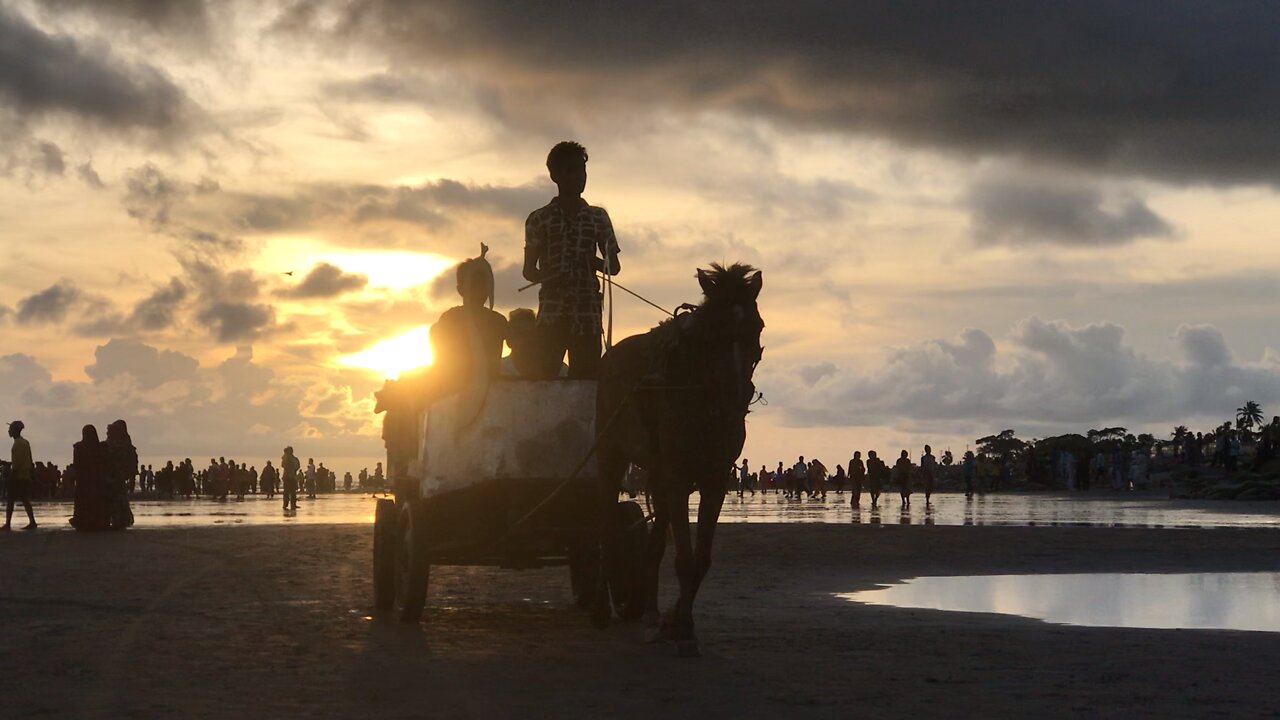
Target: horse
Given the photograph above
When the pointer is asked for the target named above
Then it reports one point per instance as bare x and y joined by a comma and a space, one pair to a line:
674, 402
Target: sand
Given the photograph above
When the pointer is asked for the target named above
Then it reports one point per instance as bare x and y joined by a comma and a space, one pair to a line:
276, 622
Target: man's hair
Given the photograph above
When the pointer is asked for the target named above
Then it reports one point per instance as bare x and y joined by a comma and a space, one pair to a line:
564, 153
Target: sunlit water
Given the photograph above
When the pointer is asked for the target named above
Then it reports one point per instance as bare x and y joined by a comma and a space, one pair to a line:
1222, 601
1058, 509
1099, 510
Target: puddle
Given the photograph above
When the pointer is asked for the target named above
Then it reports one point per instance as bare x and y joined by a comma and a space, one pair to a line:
1218, 601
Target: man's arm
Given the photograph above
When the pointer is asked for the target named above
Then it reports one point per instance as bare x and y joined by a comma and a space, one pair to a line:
608, 248
532, 252
531, 271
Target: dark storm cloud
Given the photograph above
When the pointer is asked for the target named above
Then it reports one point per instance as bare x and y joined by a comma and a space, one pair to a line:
49, 305
1180, 89
326, 281
1020, 210
43, 74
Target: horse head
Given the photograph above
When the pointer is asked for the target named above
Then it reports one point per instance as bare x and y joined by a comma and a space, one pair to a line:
730, 321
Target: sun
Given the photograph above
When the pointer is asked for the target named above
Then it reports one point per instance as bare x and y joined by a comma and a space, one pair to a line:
394, 355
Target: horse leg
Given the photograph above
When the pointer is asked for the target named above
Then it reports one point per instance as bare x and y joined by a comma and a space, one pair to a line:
681, 616
654, 549
612, 468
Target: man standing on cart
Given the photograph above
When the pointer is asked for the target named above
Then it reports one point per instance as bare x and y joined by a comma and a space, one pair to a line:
566, 242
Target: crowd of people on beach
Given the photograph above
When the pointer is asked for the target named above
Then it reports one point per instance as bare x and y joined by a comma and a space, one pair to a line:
105, 474
812, 479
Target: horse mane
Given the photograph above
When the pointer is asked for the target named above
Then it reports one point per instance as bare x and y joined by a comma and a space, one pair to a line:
730, 281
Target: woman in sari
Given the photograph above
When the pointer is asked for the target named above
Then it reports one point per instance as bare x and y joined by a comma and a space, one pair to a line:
89, 457
122, 465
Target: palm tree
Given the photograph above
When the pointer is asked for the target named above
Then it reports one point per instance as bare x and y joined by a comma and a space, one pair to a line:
1249, 416
1179, 437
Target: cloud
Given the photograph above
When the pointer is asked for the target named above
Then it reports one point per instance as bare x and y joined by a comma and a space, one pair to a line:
236, 321
44, 74
89, 176
1172, 91
326, 281
1014, 210
49, 305
177, 408
149, 366
189, 20
812, 374
157, 311
1048, 377
153, 198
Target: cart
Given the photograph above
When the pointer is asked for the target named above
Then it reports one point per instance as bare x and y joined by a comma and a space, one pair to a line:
503, 476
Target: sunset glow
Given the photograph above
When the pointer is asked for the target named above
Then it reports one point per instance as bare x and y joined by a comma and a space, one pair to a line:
394, 355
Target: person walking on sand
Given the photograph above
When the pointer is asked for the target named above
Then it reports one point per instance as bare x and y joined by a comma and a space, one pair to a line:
877, 473
290, 466
90, 458
902, 477
928, 466
857, 476
566, 242
21, 473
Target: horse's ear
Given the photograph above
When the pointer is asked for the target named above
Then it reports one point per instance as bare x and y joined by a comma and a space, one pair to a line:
755, 283
704, 280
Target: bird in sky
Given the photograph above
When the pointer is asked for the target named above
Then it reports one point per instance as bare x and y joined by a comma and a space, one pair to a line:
290, 273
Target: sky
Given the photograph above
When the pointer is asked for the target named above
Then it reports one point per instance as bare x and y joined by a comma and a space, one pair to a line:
227, 222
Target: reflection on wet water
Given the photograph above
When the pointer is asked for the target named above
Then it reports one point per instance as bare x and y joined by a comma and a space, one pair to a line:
253, 510
947, 509
1096, 510
1223, 601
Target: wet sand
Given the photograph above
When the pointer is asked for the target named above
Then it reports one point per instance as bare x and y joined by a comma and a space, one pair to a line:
276, 622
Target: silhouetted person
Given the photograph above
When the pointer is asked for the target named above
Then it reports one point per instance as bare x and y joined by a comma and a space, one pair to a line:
902, 477
877, 473
378, 478
968, 471
90, 458
928, 466
21, 475
346, 481
122, 466
566, 242
267, 481
290, 466
311, 479
857, 476
470, 334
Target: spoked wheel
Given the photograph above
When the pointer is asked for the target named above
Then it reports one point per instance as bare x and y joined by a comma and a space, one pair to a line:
384, 555
624, 560
411, 565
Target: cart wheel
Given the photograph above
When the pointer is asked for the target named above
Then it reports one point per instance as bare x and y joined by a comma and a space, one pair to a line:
625, 559
583, 562
412, 568
384, 555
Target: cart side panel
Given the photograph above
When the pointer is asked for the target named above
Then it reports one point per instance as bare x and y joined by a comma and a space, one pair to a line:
526, 430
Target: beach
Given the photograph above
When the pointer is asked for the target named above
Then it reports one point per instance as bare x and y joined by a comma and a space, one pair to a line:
278, 622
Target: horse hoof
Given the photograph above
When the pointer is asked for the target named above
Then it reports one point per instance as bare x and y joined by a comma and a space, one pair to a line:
687, 649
